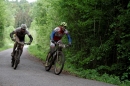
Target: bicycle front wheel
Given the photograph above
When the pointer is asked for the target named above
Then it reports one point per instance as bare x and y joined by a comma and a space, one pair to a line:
17, 57
12, 62
59, 63
15, 61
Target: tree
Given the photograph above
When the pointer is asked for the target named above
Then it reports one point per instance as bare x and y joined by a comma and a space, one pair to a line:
2, 23
99, 31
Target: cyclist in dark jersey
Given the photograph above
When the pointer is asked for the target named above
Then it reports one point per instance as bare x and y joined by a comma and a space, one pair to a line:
20, 33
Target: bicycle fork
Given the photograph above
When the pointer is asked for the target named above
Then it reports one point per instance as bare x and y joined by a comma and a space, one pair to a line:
18, 54
56, 57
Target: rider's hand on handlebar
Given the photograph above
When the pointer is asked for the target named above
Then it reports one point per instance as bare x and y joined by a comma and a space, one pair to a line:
69, 44
29, 43
12, 39
52, 41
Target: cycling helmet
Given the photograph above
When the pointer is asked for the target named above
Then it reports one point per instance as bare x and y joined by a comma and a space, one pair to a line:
23, 26
63, 24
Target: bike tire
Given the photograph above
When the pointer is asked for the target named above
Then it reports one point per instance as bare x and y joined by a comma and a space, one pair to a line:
13, 60
17, 57
15, 64
49, 60
60, 60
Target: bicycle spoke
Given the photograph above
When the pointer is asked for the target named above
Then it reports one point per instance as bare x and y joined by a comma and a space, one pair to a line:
17, 57
59, 64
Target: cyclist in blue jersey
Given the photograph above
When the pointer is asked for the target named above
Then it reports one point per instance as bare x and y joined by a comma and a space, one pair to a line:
57, 35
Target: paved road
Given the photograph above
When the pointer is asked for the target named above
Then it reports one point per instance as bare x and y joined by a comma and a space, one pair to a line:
31, 72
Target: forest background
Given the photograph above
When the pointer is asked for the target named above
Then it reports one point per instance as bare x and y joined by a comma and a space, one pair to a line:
99, 29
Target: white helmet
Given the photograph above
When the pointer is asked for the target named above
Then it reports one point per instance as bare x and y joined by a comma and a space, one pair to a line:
23, 26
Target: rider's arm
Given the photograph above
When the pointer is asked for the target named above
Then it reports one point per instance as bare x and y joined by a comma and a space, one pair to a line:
29, 35
14, 32
52, 35
11, 34
69, 38
31, 38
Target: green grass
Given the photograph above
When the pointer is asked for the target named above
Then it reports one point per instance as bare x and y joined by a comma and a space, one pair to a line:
94, 75
35, 51
5, 47
79, 72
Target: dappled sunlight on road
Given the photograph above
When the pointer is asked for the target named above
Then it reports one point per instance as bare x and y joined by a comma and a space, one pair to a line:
26, 46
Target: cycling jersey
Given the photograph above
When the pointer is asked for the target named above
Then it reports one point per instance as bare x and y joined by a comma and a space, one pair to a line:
58, 33
20, 35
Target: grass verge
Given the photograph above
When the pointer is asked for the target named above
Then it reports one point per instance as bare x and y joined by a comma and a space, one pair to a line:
79, 72
5, 47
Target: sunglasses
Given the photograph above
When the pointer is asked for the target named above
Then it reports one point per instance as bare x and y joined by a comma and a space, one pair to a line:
22, 28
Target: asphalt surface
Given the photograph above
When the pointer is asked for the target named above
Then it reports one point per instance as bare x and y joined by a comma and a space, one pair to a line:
31, 72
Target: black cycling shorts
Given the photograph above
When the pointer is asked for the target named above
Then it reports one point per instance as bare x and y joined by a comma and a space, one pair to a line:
21, 39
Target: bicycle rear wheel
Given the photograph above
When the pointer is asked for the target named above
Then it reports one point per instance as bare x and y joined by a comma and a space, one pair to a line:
59, 63
48, 62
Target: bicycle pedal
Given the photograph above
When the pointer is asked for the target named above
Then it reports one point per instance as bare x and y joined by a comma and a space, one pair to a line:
46, 64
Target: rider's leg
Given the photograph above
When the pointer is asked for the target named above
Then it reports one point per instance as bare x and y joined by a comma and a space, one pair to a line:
21, 42
22, 49
15, 45
52, 48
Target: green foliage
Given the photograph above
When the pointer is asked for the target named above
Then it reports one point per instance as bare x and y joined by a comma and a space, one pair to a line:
125, 83
7, 41
94, 75
20, 11
99, 44
35, 51
4, 47
100, 36
45, 20
2, 22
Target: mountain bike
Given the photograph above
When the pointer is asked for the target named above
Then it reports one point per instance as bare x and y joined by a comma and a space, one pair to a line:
57, 59
16, 58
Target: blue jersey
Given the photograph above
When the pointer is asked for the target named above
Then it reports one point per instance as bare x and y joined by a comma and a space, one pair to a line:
58, 33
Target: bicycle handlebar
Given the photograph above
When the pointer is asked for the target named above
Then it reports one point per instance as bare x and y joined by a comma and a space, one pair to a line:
24, 43
63, 45
27, 43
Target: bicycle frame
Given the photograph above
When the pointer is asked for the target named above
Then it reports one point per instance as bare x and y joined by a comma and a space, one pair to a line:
57, 50
56, 57
17, 54
19, 49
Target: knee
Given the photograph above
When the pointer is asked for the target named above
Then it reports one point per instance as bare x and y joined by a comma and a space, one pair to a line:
15, 44
52, 49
